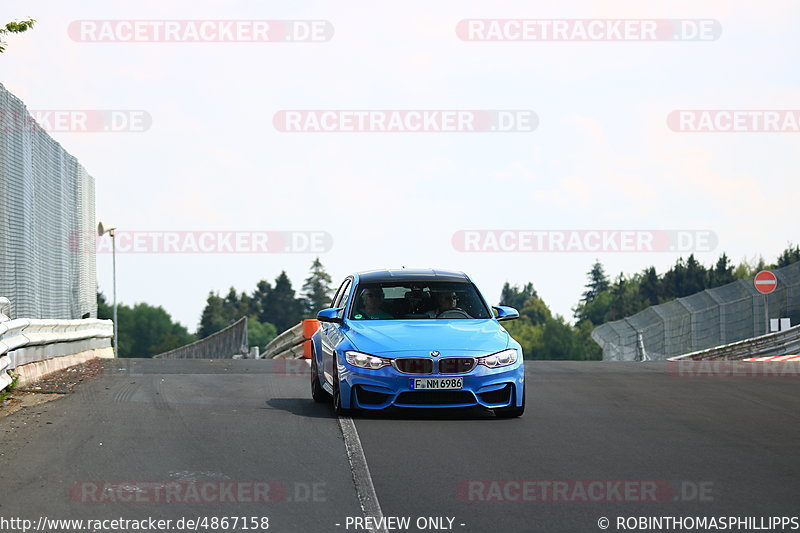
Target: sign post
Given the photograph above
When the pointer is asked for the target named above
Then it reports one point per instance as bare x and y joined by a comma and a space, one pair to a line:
765, 283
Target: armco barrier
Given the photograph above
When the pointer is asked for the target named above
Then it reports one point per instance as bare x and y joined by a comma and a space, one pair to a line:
26, 341
5, 379
228, 343
777, 343
293, 343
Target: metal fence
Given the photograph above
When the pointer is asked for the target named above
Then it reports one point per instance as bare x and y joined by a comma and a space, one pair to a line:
223, 344
710, 318
46, 200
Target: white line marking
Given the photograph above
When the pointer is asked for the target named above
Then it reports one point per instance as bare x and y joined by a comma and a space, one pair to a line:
361, 476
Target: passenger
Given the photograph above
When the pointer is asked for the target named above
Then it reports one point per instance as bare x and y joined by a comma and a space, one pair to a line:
444, 301
372, 299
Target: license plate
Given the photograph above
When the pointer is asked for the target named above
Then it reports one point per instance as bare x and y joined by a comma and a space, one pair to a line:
436, 383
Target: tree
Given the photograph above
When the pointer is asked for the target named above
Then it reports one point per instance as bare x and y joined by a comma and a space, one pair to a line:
280, 305
515, 297
213, 318
316, 289
598, 282
104, 310
260, 333
528, 335
18, 26
597, 311
236, 306
558, 341
260, 297
144, 330
588, 349
722, 272
535, 310
625, 298
788, 256
151, 332
673, 280
597, 285
695, 278
650, 286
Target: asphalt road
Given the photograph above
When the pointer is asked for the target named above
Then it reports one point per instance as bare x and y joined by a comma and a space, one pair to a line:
598, 440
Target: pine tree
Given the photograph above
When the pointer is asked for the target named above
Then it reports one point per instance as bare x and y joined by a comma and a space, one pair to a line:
213, 318
790, 255
598, 282
650, 287
260, 297
695, 280
597, 285
316, 289
722, 272
281, 308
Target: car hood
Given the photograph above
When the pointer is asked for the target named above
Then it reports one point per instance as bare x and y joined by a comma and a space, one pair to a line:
446, 336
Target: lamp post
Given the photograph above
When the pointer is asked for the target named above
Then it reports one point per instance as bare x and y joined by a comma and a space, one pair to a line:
102, 230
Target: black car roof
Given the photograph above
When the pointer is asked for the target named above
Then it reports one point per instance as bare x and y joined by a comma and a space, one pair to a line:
412, 274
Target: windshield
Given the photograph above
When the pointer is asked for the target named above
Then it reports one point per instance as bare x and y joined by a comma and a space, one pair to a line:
417, 300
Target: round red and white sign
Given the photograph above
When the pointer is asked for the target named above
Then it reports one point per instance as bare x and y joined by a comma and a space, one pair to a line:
765, 282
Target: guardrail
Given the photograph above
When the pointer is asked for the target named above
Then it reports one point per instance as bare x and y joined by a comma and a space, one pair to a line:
778, 343
27, 340
224, 344
294, 343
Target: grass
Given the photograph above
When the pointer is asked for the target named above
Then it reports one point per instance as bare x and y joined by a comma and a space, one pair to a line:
5, 394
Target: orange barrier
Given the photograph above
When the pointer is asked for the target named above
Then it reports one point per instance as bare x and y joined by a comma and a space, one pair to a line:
310, 326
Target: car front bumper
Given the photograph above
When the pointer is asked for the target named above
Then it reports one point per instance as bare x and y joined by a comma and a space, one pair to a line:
491, 388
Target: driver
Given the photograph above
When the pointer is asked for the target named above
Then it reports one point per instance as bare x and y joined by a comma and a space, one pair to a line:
444, 301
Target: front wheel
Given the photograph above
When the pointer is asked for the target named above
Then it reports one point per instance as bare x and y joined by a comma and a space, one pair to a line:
512, 412
317, 392
338, 410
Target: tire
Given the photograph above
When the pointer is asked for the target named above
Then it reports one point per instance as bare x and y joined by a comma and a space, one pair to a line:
317, 392
338, 410
511, 412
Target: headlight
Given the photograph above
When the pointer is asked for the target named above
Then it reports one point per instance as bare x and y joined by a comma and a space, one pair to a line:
504, 358
363, 360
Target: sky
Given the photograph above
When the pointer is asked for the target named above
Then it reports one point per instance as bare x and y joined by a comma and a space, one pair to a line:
205, 152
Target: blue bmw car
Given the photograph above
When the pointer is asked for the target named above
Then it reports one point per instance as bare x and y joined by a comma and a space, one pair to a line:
416, 338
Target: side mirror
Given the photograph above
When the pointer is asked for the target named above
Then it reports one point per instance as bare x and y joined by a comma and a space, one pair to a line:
330, 315
505, 312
